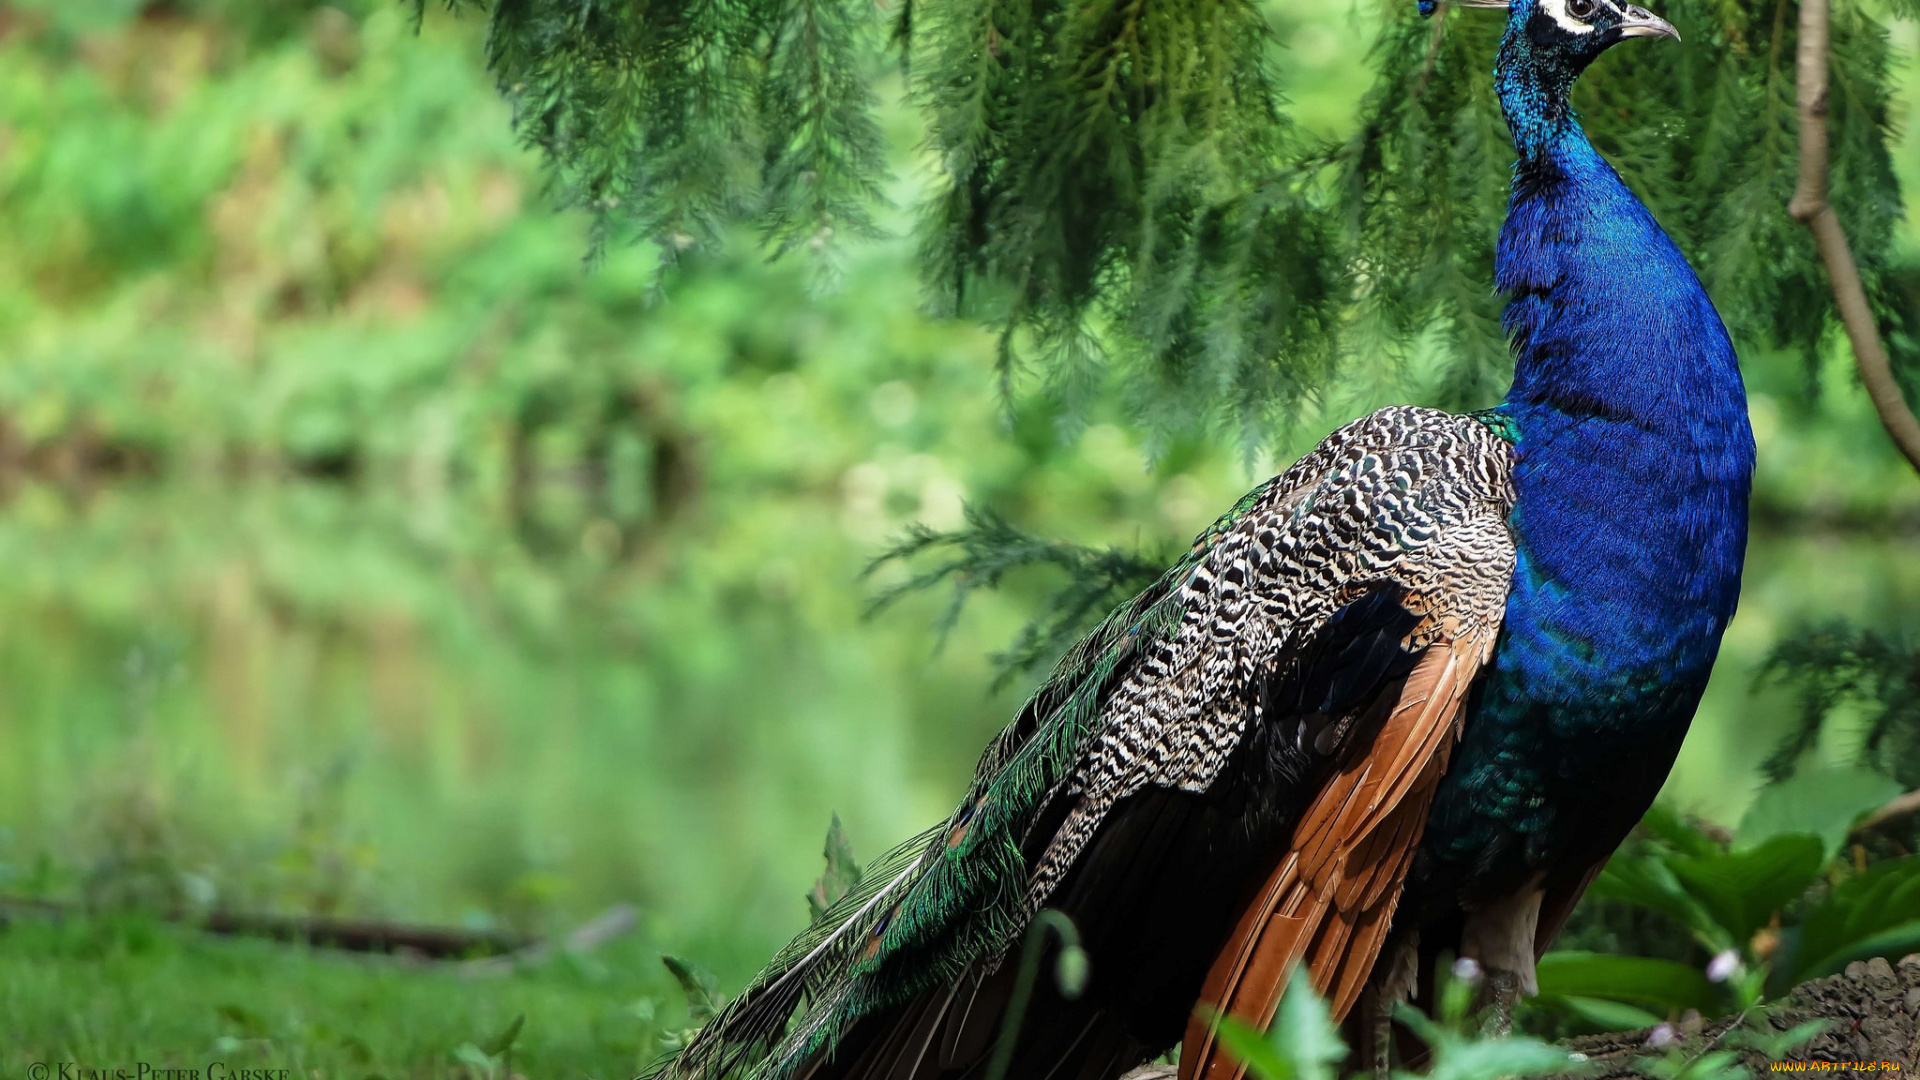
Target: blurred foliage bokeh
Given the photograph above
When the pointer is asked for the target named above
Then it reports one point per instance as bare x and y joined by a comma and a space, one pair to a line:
370, 551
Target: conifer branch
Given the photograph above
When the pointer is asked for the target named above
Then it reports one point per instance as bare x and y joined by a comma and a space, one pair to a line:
983, 552
1121, 192
1812, 208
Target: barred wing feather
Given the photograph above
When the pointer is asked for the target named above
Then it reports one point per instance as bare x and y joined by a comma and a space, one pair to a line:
1152, 786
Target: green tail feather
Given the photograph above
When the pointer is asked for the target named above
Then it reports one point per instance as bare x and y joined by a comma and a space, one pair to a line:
925, 911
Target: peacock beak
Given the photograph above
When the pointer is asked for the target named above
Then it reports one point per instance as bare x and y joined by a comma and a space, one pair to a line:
1639, 22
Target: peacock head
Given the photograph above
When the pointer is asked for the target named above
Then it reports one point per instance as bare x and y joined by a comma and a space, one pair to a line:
1592, 24
1547, 45
1570, 33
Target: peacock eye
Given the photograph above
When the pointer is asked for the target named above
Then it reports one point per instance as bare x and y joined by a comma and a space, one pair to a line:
1580, 9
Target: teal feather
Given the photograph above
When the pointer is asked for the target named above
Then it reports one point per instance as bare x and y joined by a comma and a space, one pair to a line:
929, 908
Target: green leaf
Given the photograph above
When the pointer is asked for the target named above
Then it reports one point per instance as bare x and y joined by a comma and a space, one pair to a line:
1458, 1057
1870, 914
1743, 889
1658, 985
842, 873
1677, 1065
1677, 832
474, 1058
1775, 1045
1605, 1015
1511, 1057
1645, 879
1305, 1031
1825, 802
700, 986
1302, 1043
502, 1040
1896, 941
1721, 897
1250, 1047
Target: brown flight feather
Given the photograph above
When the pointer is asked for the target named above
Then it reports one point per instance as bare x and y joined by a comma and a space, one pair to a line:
1329, 901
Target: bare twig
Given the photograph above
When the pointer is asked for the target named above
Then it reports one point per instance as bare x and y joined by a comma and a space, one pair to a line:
1439, 21
615, 922
360, 935
347, 935
1811, 207
1899, 808
380, 940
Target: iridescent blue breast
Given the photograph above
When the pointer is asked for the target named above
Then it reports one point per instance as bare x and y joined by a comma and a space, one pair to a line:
1633, 463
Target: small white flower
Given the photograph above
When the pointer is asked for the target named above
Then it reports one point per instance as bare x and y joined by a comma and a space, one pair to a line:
1724, 966
1466, 969
1661, 1036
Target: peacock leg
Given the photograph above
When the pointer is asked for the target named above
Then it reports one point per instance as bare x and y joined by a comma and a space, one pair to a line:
1395, 984
1498, 996
1499, 936
1382, 1043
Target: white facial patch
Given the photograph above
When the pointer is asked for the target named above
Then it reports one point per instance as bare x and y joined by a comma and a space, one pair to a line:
1558, 10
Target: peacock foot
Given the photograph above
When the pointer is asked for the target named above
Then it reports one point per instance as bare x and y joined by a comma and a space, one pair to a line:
1498, 995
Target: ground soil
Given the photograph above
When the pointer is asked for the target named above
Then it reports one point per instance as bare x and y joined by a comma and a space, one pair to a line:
1872, 1012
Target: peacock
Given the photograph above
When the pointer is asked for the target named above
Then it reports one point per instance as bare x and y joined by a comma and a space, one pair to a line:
1400, 702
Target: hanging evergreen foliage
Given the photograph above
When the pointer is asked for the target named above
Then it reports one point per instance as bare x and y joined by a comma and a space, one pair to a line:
1121, 189
1118, 178
1122, 193
1121, 173
986, 549
1837, 665
677, 117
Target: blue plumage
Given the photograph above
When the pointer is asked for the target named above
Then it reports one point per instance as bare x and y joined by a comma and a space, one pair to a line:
1633, 462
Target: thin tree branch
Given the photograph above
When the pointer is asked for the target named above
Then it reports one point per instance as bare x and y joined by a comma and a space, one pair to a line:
1899, 809
1439, 20
347, 935
1810, 206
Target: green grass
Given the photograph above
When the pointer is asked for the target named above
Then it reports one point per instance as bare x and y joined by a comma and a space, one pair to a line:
111, 994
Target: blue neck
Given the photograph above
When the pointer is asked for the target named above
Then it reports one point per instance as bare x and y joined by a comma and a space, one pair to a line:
1607, 319
1632, 464
1634, 458
1535, 95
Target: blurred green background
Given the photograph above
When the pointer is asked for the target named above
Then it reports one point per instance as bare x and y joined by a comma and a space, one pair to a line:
367, 552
